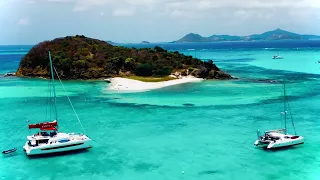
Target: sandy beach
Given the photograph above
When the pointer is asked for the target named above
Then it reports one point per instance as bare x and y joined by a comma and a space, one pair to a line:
124, 84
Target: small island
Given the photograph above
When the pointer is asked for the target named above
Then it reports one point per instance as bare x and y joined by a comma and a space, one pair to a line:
145, 42
80, 57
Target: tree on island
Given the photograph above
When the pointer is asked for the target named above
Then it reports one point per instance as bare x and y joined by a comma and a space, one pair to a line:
79, 57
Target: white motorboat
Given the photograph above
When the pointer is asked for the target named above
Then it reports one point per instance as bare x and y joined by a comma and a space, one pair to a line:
277, 57
279, 138
49, 140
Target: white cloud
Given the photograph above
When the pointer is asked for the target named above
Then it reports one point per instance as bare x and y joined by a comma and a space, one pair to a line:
223, 8
146, 5
198, 3
181, 14
185, 8
251, 3
204, 4
78, 5
24, 21
123, 12
141, 2
83, 5
51, 1
205, 17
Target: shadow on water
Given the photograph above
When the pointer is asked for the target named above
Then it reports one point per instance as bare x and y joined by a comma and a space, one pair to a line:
51, 155
145, 167
234, 60
10, 155
188, 105
209, 172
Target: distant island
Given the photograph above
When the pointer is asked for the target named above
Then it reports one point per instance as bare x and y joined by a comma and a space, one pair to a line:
277, 34
145, 42
112, 43
80, 57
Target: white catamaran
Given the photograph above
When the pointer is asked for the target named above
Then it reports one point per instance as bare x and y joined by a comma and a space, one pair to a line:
279, 138
49, 140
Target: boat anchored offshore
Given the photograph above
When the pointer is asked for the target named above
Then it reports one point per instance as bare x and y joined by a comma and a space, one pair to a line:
277, 57
279, 138
49, 140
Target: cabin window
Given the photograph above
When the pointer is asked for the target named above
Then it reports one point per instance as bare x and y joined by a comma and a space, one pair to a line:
33, 143
43, 141
53, 133
44, 134
63, 140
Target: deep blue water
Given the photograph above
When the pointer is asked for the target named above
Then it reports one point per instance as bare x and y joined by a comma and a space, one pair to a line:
234, 45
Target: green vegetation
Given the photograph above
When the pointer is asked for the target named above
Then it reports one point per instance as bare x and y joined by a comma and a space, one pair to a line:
150, 79
79, 57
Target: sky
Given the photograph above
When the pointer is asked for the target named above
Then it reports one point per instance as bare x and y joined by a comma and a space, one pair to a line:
133, 21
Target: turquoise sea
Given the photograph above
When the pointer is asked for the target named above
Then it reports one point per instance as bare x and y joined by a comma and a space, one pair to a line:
205, 129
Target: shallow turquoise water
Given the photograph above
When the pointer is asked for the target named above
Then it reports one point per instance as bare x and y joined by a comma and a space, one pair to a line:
205, 129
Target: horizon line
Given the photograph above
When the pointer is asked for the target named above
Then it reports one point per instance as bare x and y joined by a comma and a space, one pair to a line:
172, 42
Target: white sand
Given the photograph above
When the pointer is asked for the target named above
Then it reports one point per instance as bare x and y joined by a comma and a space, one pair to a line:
124, 84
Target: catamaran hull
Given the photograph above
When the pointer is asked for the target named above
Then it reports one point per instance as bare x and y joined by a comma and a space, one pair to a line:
260, 144
281, 144
63, 147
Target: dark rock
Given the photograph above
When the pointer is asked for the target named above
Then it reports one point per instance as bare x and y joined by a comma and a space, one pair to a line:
222, 75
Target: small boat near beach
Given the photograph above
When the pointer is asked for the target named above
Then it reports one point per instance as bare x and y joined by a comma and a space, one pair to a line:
278, 138
9, 74
107, 80
9, 151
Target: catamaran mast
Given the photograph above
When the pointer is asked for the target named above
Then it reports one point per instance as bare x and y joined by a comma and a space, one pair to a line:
284, 105
54, 90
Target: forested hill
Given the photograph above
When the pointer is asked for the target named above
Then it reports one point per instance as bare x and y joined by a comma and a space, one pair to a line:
79, 57
277, 34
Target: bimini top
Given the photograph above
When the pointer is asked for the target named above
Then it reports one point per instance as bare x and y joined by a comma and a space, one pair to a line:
276, 131
44, 126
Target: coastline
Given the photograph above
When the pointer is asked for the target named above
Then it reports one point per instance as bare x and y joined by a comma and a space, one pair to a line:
125, 84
